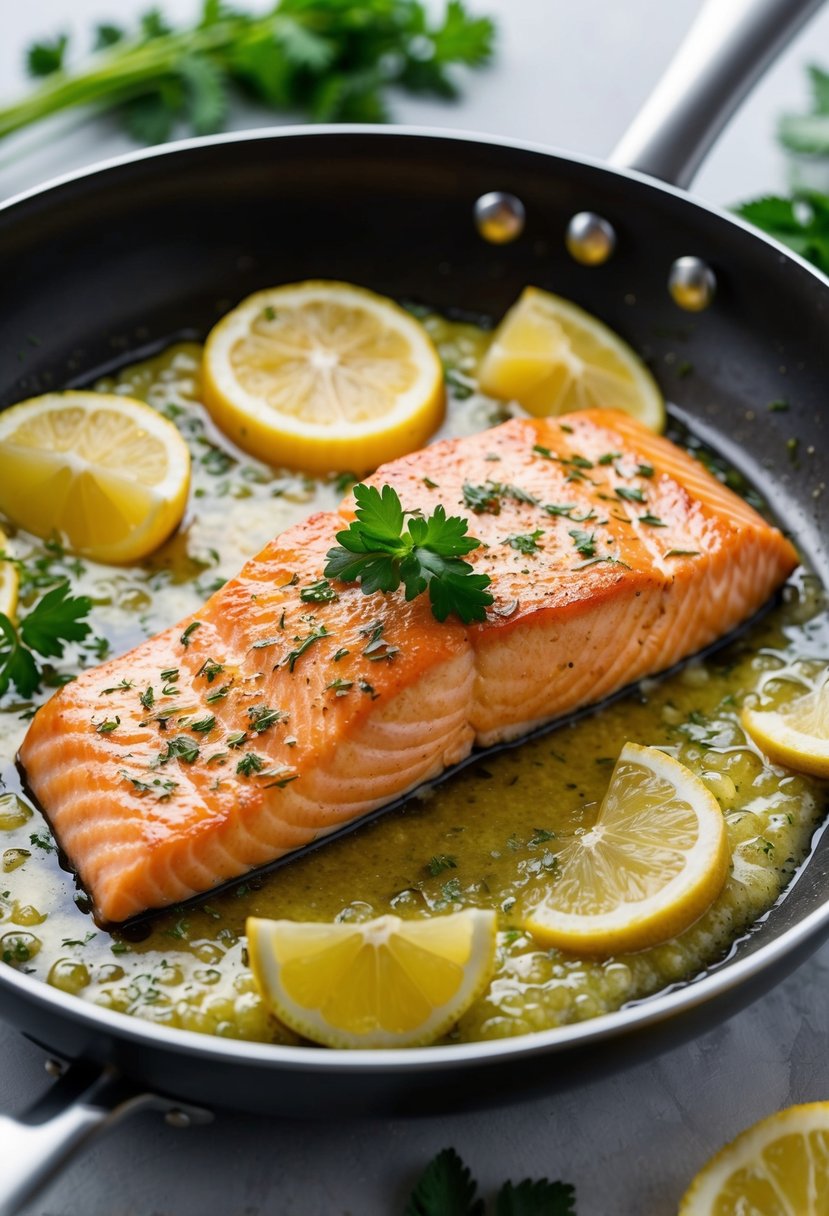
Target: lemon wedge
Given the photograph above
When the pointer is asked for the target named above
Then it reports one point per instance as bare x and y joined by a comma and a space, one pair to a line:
553, 357
380, 983
780, 1166
323, 376
106, 473
8, 581
655, 859
797, 735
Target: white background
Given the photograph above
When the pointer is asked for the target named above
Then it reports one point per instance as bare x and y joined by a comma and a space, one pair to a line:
570, 74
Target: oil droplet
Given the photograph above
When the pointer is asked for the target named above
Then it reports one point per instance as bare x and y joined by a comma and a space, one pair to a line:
13, 858
18, 948
26, 914
69, 975
14, 812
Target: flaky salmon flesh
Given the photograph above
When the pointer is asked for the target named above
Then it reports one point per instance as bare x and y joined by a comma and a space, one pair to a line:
342, 706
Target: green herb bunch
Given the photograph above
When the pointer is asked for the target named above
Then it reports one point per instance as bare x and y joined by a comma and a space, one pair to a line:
332, 60
446, 1188
55, 619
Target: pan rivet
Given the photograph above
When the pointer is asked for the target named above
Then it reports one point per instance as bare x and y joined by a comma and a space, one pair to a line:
692, 284
590, 239
177, 1118
499, 217
54, 1068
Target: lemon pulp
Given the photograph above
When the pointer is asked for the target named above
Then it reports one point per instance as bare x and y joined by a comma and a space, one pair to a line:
323, 376
655, 859
379, 983
777, 1167
551, 357
106, 473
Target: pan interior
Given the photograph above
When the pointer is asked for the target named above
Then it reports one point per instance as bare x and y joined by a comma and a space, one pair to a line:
722, 369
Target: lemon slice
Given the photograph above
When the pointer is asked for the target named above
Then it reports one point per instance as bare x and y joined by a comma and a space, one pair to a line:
106, 473
8, 580
655, 859
553, 357
323, 376
379, 983
779, 1167
797, 735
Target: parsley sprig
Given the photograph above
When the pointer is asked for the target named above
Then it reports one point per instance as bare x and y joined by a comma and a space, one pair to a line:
446, 1188
330, 61
55, 619
379, 552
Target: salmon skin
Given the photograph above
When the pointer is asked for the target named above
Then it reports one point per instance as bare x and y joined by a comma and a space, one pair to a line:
279, 719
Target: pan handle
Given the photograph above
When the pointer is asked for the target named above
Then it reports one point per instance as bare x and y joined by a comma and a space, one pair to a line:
727, 49
85, 1102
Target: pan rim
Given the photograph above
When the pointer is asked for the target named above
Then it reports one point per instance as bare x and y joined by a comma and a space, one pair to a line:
710, 985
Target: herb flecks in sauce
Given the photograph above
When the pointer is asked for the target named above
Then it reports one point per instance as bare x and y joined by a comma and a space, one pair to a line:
479, 839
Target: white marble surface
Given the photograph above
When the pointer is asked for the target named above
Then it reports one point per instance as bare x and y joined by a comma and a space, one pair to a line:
572, 75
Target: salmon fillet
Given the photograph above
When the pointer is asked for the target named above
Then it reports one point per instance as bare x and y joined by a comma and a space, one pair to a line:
278, 720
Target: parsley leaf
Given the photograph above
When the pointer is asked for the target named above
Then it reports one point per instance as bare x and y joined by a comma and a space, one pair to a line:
539, 1198
445, 1188
526, 542
333, 60
801, 222
380, 553
54, 620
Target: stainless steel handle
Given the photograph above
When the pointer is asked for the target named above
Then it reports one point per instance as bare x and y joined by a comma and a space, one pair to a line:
727, 49
82, 1105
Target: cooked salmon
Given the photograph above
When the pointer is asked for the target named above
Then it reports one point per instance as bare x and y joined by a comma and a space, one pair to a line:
268, 719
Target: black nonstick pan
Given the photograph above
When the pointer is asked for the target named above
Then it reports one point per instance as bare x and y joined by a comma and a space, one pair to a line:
121, 256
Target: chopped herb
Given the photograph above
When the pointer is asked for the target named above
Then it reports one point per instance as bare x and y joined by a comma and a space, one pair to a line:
629, 493
652, 520
446, 1188
340, 687
526, 542
250, 764
682, 553
489, 496
585, 542
69, 942
169, 674
162, 789
188, 633
147, 697
320, 592
565, 508
792, 446
42, 840
344, 481
611, 561
364, 686
282, 782
237, 738
183, 748
315, 635
107, 727
340, 654
169, 690
779, 407
262, 717
609, 457
541, 836
269, 312
376, 550
203, 725
429, 484
217, 757
124, 686
264, 642
217, 694
210, 669
440, 862
645, 470
377, 647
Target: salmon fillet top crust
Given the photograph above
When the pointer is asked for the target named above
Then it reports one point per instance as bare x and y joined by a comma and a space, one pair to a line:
280, 719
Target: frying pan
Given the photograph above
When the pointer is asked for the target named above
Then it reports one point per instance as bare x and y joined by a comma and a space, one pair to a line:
122, 256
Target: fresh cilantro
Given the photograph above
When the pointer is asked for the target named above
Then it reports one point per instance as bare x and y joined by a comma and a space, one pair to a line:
332, 61
447, 1188
526, 542
55, 619
380, 553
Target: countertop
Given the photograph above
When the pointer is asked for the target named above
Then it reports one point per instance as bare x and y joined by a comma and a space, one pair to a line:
570, 75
